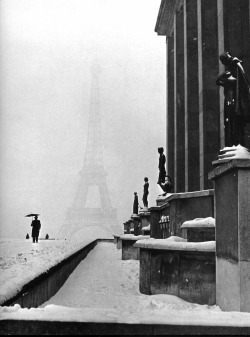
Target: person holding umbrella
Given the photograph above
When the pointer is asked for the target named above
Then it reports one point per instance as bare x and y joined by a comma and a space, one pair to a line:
36, 226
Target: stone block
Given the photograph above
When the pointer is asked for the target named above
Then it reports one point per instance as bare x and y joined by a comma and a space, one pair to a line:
178, 268
189, 205
156, 213
232, 285
199, 230
119, 244
144, 284
129, 252
137, 225
232, 215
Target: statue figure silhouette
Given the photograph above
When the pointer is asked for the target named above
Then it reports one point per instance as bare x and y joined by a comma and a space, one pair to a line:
236, 99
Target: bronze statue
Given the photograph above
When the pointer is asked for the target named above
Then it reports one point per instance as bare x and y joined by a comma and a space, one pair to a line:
164, 180
136, 203
237, 99
161, 166
145, 192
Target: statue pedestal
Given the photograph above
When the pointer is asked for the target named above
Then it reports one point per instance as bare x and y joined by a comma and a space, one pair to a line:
232, 225
144, 220
137, 228
126, 227
199, 230
131, 226
156, 213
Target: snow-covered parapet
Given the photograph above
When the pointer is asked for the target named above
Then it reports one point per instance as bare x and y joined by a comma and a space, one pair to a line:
117, 235
163, 197
176, 243
22, 261
234, 152
147, 228
133, 237
199, 223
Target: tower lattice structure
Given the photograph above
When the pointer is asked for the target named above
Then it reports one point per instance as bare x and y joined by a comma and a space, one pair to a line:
92, 204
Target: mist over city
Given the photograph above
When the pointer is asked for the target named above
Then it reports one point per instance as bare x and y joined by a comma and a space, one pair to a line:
47, 50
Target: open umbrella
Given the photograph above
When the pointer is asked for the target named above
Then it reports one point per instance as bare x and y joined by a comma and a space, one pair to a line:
32, 214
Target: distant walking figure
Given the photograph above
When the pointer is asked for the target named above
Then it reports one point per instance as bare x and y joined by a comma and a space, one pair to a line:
36, 225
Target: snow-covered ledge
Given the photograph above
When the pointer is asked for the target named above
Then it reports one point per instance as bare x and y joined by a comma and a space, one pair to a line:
194, 194
199, 229
176, 267
176, 243
133, 237
199, 223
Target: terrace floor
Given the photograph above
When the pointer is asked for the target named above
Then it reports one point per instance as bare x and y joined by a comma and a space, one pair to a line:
103, 293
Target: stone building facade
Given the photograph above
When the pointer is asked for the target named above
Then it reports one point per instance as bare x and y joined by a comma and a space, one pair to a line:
197, 31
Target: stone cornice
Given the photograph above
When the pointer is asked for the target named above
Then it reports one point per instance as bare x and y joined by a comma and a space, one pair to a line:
165, 19
233, 164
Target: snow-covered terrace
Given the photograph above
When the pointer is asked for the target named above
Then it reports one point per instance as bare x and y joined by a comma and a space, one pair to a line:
103, 288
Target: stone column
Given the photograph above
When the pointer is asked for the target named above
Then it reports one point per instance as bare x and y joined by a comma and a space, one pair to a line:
209, 117
191, 96
232, 219
221, 47
170, 161
179, 120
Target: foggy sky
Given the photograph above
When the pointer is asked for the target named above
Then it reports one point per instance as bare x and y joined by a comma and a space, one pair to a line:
47, 48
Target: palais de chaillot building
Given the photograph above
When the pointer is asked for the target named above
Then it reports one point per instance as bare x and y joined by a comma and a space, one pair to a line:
197, 32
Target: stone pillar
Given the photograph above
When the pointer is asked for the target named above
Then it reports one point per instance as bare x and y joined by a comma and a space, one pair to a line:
170, 108
144, 219
179, 120
131, 225
232, 217
234, 36
137, 228
155, 215
126, 227
208, 61
191, 96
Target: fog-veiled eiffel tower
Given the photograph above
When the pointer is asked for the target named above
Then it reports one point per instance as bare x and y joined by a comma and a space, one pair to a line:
92, 204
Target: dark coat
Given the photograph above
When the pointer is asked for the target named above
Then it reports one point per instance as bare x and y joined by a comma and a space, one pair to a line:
36, 225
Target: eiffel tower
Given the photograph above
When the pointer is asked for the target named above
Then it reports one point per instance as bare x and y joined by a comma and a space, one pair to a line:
92, 204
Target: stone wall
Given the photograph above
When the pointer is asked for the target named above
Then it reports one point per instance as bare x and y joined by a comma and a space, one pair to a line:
188, 275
